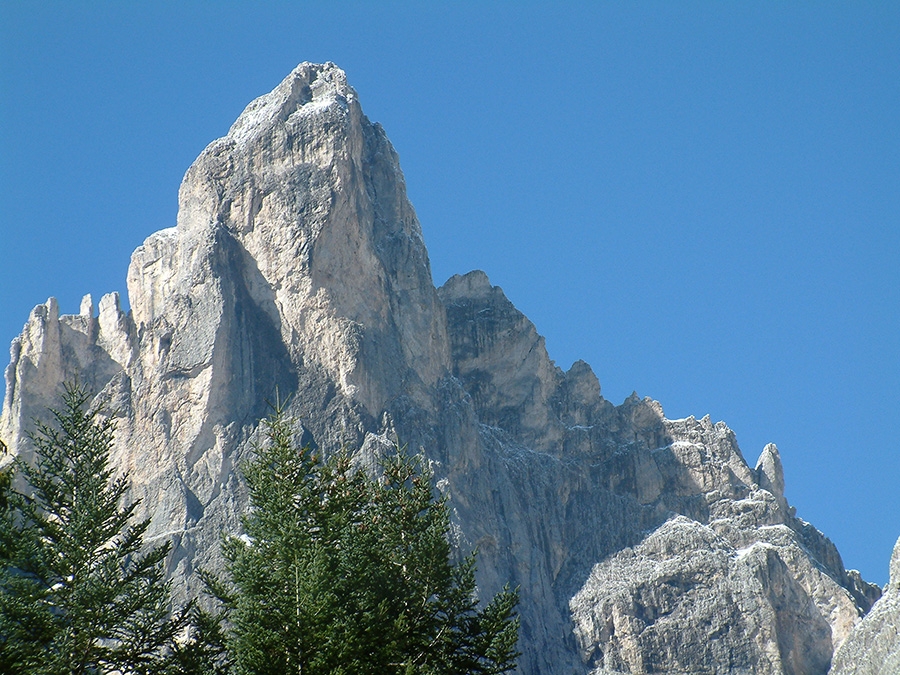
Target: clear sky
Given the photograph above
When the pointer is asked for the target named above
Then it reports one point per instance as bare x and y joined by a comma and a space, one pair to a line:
700, 199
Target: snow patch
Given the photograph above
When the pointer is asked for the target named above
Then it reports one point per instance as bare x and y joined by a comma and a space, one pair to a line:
742, 552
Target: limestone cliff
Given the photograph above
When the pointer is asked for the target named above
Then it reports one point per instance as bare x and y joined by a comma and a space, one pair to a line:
873, 647
297, 268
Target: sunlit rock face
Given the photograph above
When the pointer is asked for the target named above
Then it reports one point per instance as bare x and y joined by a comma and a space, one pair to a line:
297, 271
873, 647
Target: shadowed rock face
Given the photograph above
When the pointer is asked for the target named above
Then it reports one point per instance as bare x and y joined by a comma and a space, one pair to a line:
297, 268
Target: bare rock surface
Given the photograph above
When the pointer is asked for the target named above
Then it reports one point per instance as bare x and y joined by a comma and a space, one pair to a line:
684, 600
873, 647
297, 270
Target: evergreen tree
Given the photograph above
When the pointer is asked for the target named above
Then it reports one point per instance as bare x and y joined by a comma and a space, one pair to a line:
339, 573
202, 651
78, 591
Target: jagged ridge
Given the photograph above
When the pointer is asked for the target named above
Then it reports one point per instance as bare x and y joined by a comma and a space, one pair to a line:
297, 264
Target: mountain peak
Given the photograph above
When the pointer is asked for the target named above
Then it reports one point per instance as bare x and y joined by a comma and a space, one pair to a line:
308, 87
297, 265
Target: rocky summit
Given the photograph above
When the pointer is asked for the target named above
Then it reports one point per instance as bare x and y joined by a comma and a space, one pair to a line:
297, 268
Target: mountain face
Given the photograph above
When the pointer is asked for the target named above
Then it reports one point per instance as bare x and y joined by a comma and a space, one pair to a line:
873, 647
297, 269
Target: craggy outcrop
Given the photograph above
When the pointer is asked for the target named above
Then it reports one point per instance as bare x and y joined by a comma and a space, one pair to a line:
873, 647
297, 269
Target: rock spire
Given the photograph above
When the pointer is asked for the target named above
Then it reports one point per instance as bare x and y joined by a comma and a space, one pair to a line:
297, 266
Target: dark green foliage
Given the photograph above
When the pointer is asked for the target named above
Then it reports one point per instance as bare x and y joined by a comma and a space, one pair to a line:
78, 591
338, 573
203, 652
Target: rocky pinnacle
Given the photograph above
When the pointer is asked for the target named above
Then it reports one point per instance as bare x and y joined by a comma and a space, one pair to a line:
297, 269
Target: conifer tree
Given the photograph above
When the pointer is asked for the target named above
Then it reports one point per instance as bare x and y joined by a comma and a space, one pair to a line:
79, 591
340, 573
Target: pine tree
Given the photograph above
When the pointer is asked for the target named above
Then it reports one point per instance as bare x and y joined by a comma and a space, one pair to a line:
339, 573
79, 591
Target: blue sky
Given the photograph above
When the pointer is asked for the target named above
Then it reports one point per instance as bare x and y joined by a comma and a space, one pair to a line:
701, 200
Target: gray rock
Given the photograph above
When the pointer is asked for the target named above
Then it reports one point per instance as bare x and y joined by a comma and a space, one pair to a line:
87, 306
297, 270
769, 472
873, 647
684, 600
